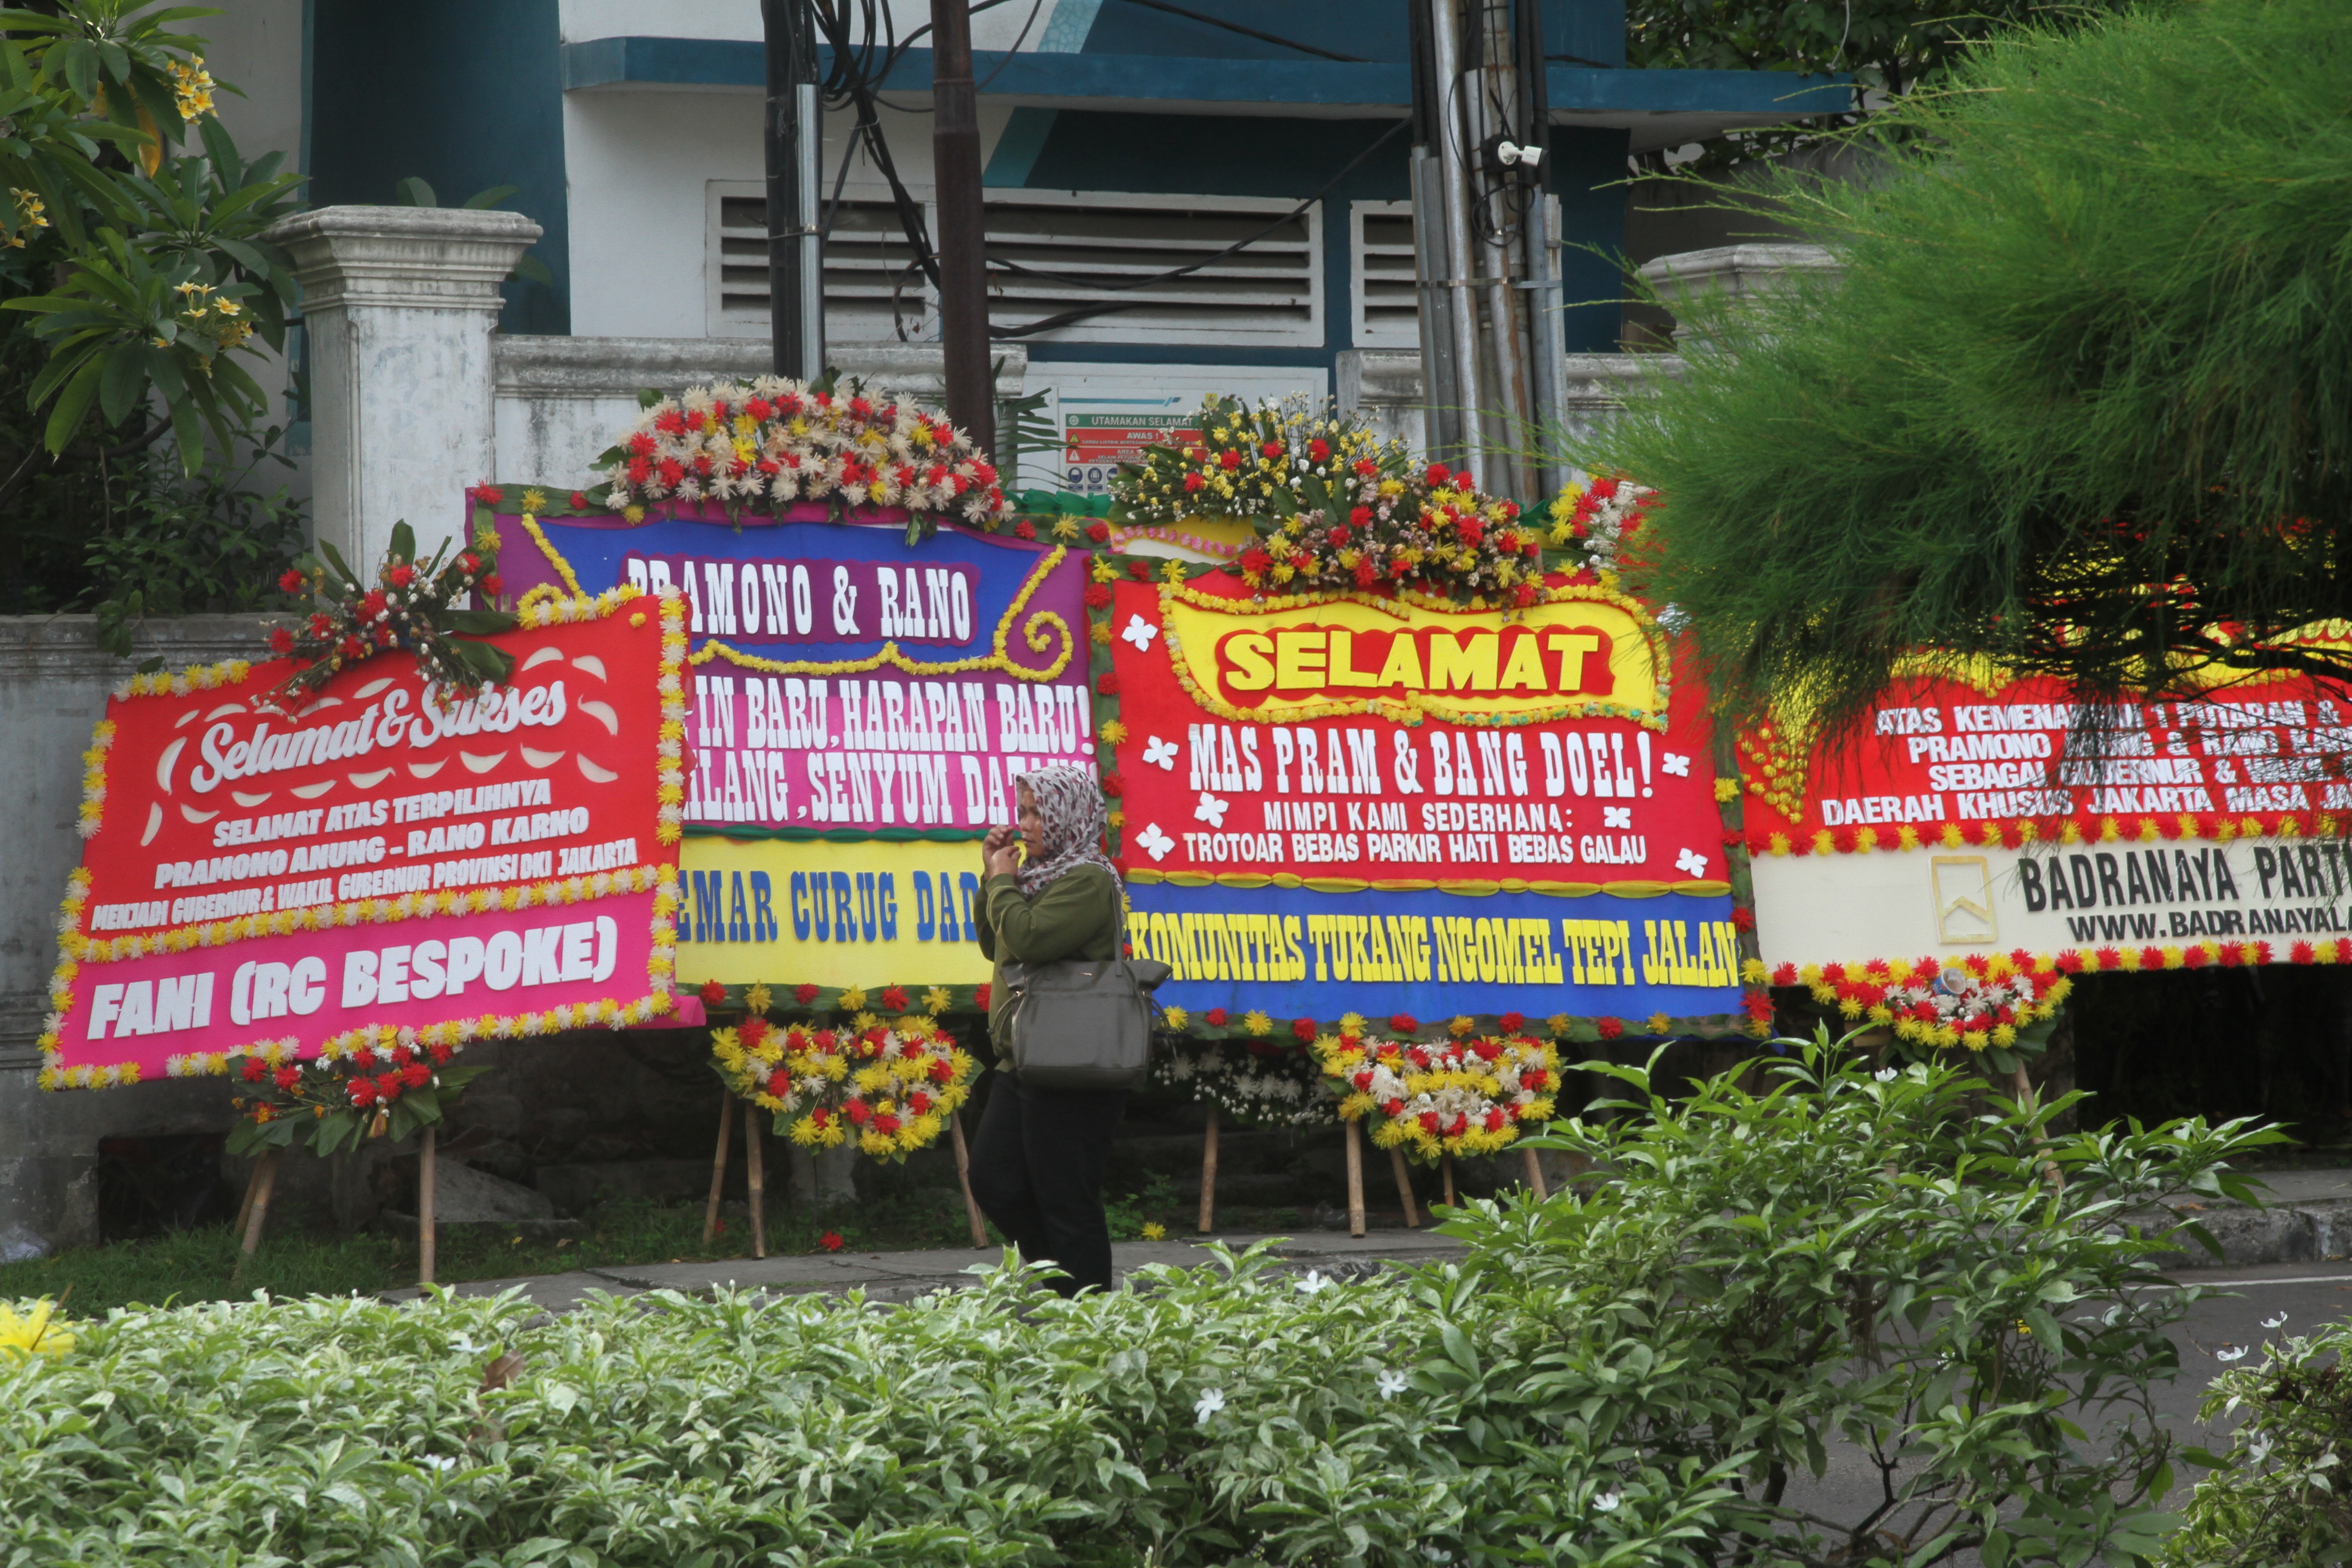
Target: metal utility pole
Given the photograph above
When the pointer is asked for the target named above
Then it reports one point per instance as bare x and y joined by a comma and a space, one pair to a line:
1491, 93
963, 230
1440, 378
1547, 301
1456, 148
795, 248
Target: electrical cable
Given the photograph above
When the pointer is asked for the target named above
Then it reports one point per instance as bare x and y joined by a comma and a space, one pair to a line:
852, 81
1068, 318
1250, 32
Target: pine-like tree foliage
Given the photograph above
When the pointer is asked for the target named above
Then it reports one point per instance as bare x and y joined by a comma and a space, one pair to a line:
2081, 404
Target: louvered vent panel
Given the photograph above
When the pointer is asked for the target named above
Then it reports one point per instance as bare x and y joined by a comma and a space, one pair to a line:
1051, 253
868, 272
1384, 311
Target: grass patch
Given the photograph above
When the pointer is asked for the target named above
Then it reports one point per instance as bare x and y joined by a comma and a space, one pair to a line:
194, 1266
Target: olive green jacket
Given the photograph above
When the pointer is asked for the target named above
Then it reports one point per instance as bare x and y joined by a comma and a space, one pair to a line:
1073, 916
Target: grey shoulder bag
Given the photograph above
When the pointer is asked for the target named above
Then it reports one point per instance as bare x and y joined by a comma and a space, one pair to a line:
1082, 1023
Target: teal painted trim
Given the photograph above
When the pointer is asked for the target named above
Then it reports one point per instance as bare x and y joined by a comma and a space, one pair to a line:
1066, 33
1017, 149
1148, 79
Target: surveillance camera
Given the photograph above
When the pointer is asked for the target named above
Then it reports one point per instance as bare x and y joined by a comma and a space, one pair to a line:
1511, 152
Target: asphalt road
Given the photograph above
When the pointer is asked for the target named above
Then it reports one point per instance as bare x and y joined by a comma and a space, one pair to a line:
2311, 1295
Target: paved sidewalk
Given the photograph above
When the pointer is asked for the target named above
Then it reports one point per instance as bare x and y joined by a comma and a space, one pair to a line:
903, 1275
2308, 1220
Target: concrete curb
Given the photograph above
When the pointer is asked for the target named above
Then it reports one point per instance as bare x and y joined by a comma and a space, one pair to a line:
2286, 1231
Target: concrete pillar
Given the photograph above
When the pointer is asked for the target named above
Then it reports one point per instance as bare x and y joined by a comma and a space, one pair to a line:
1738, 274
400, 304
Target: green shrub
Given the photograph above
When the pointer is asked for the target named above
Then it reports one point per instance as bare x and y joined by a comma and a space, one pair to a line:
1625, 1376
2279, 1494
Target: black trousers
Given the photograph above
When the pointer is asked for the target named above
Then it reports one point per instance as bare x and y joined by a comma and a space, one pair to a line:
1037, 1170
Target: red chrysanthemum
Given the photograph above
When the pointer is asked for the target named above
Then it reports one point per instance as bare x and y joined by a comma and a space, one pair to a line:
831, 1241
1215, 1017
1611, 1029
1098, 596
1404, 1023
980, 994
894, 998
713, 994
1024, 529
1512, 1023
282, 640
293, 582
1108, 683
804, 993
1303, 1028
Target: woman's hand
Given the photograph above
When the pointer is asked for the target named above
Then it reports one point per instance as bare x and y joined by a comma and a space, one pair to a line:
1000, 852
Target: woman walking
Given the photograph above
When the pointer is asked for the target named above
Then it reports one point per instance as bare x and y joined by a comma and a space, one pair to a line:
1037, 1161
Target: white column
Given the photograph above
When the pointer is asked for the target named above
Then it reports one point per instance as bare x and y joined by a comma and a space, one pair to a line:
400, 304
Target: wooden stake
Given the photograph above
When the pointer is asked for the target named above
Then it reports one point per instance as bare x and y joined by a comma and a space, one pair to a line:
1355, 1180
1535, 1174
963, 1174
252, 1182
1445, 1162
257, 1203
1405, 1186
427, 1234
756, 1173
1209, 1175
718, 1166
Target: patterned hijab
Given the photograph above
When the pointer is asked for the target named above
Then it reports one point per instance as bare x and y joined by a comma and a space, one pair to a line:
1070, 803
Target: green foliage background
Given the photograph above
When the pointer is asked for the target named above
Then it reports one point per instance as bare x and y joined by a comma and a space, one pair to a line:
2082, 402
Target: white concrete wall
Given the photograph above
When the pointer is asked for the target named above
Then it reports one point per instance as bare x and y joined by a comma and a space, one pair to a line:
640, 161
256, 46
561, 400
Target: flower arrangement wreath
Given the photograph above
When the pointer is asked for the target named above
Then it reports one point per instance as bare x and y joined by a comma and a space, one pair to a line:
889, 1086
1452, 1097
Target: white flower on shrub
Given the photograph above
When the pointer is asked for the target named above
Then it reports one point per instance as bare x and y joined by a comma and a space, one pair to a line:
2237, 1354
1316, 1280
2278, 1321
1209, 1403
1607, 1501
1392, 1384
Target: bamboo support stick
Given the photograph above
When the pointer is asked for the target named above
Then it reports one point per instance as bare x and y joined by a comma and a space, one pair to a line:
718, 1166
963, 1175
1209, 1175
1445, 1162
427, 1233
1405, 1186
1355, 1180
1535, 1174
257, 1202
756, 1173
